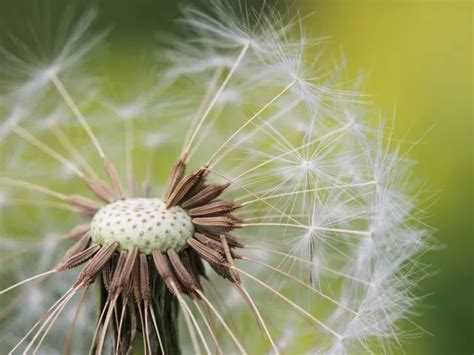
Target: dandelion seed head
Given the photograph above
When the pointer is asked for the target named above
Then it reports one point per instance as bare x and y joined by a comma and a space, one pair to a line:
284, 194
143, 223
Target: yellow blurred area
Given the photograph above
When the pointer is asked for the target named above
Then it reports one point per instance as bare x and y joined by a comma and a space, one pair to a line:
418, 56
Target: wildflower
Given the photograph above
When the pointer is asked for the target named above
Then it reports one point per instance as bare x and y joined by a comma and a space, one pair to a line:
296, 214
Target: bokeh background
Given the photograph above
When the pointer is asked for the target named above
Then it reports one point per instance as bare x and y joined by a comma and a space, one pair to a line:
417, 60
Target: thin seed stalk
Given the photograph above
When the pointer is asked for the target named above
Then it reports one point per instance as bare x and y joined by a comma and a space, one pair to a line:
166, 311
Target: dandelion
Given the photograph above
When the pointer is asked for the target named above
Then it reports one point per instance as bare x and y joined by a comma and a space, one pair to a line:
286, 221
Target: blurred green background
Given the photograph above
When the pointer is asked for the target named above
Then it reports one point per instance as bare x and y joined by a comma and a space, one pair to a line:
417, 57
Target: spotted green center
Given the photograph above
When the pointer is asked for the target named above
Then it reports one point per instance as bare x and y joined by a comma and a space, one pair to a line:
142, 222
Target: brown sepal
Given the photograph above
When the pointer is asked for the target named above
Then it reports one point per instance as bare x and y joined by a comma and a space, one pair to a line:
100, 189
95, 265
231, 240
184, 186
214, 258
124, 278
206, 195
78, 231
144, 278
78, 258
84, 204
112, 172
214, 208
162, 265
218, 224
188, 284
79, 246
177, 173
190, 265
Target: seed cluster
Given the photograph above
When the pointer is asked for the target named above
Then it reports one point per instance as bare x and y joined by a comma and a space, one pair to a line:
144, 223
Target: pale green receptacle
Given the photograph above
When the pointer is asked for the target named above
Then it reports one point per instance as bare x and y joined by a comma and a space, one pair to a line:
142, 222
